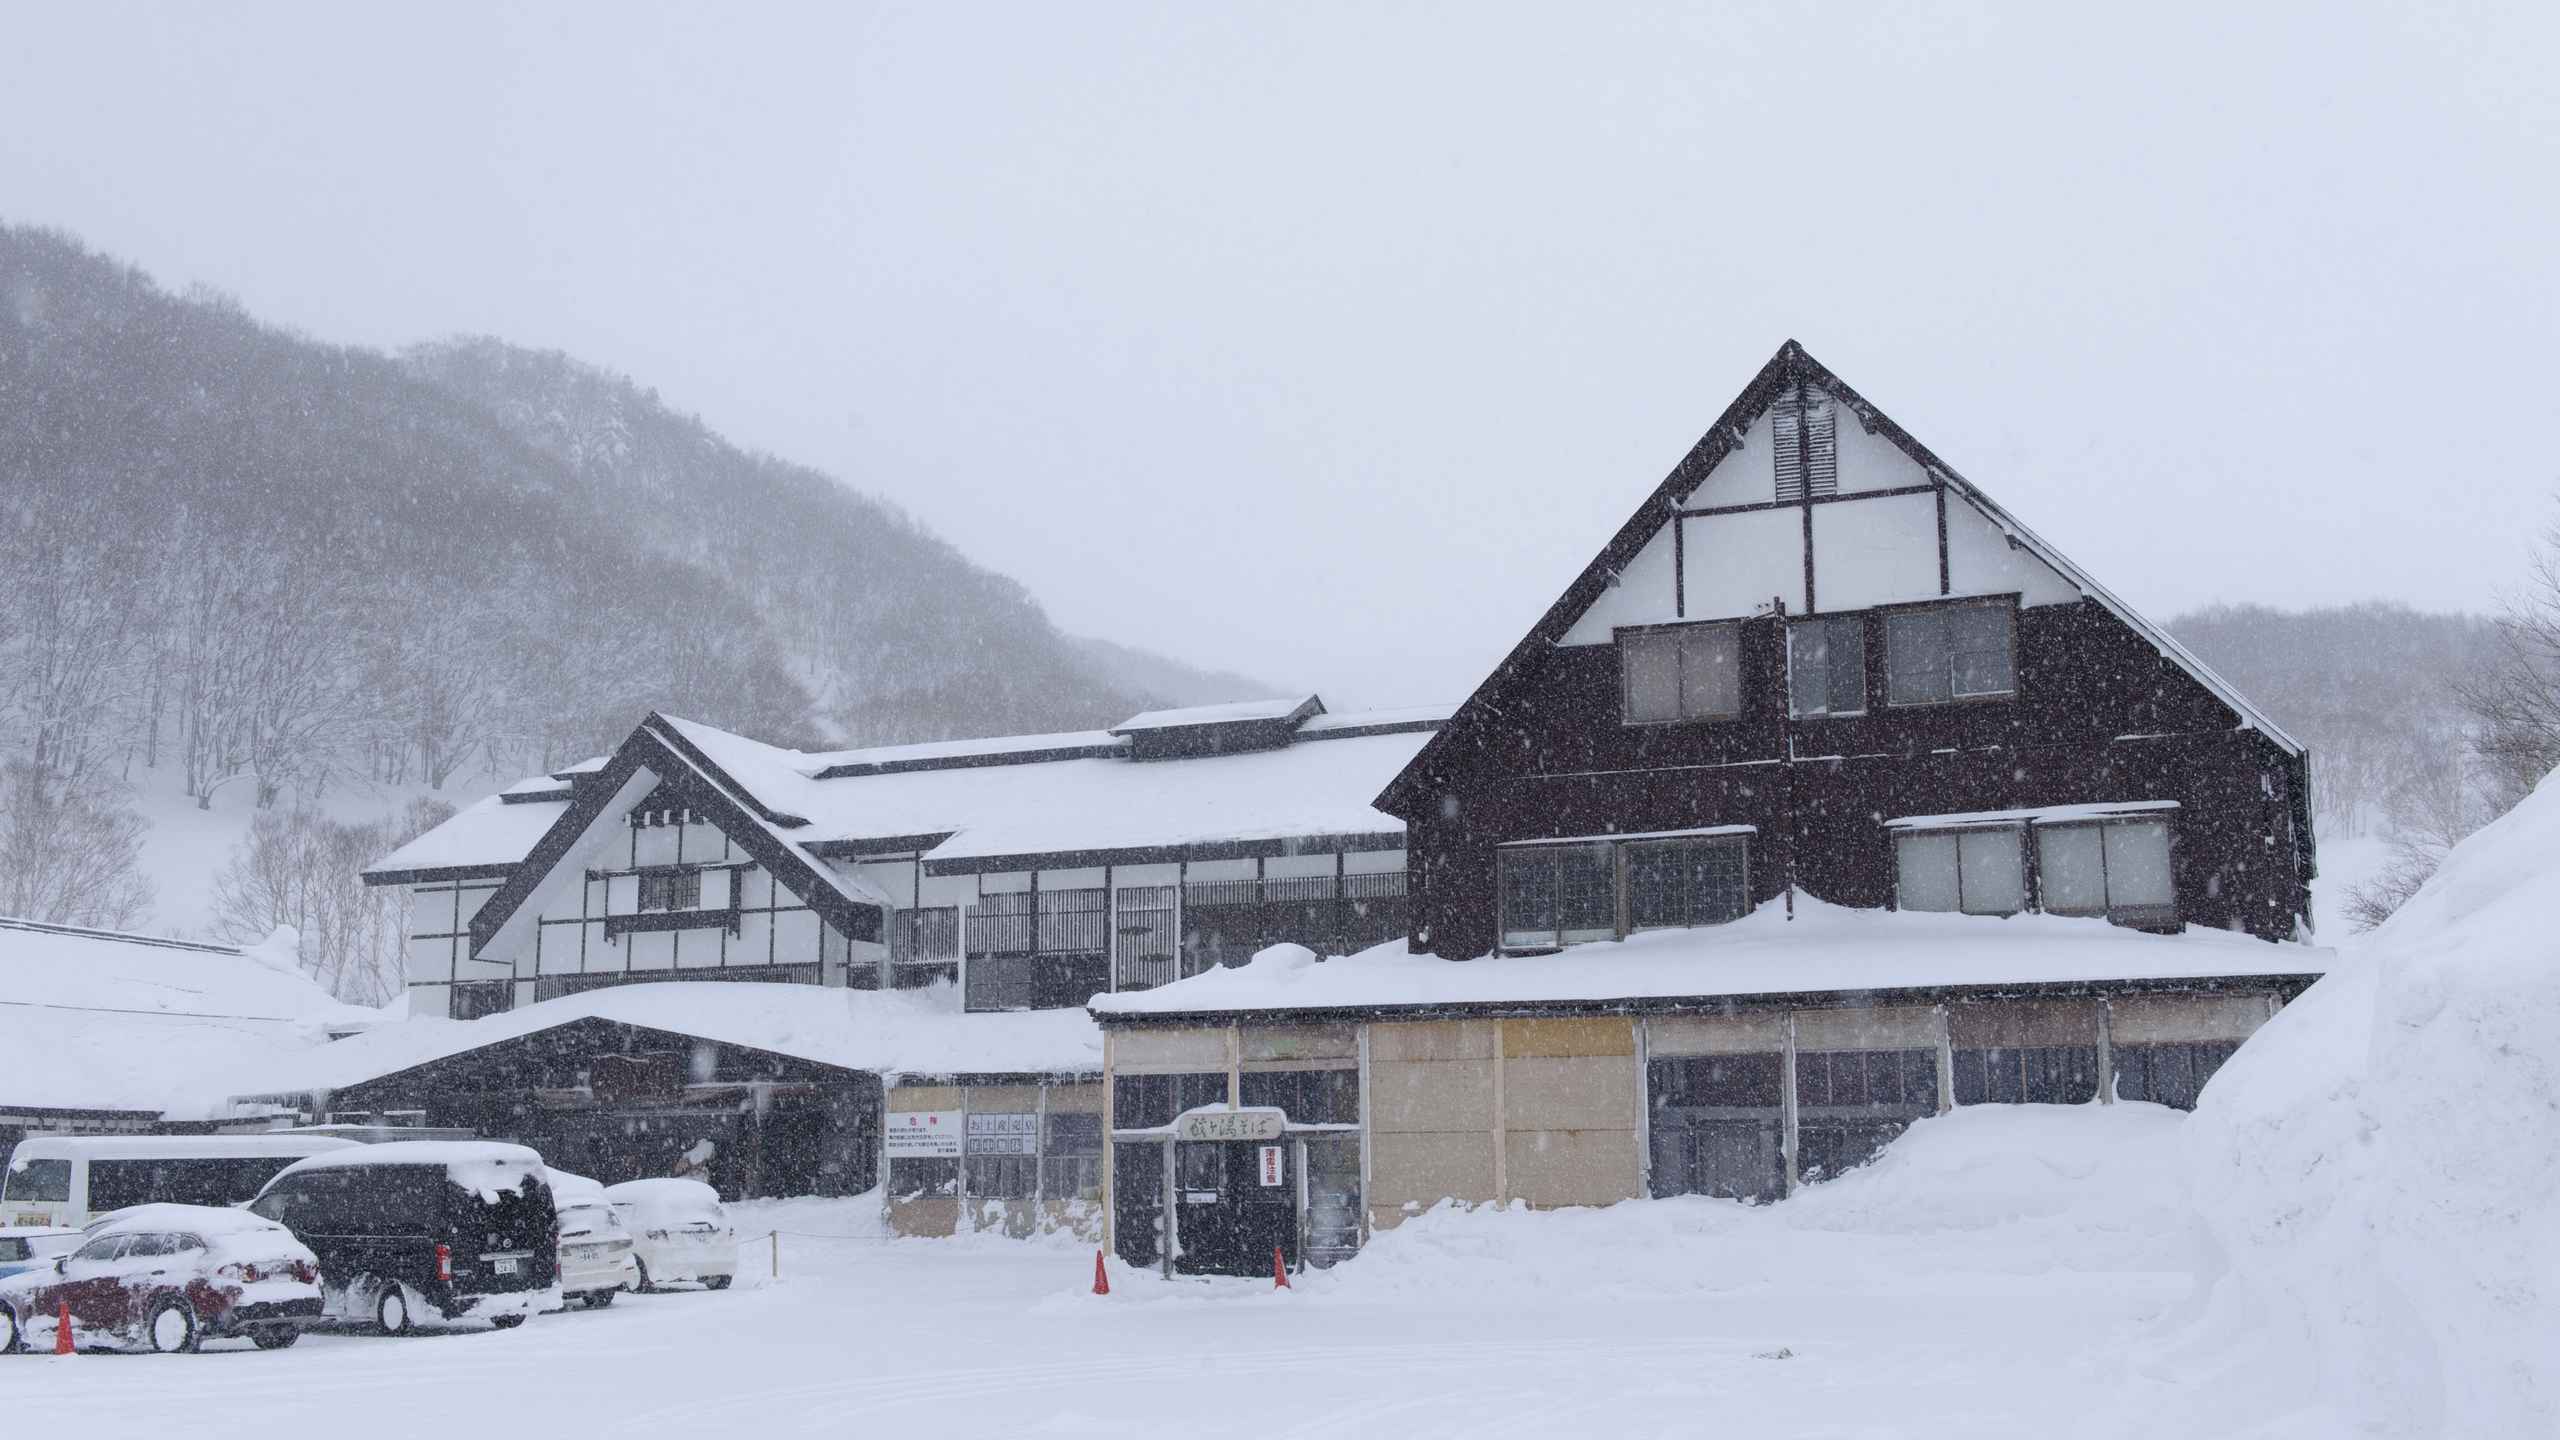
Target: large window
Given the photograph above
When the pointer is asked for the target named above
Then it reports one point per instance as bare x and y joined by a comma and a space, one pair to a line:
1950, 652
1688, 672
1976, 872
1558, 895
1827, 666
2119, 869
1718, 1125
1567, 894
1672, 883
1145, 1102
2171, 1075
1071, 1160
1309, 1097
670, 889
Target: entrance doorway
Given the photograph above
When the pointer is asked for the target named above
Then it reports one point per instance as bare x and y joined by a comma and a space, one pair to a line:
1237, 1204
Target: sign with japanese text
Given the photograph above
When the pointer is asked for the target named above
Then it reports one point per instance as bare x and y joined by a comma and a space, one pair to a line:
1264, 1124
923, 1133
1270, 1166
1004, 1134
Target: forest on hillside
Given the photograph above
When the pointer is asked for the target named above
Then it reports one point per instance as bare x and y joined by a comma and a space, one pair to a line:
234, 557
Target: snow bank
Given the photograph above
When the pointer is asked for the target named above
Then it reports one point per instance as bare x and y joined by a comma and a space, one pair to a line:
2380, 1166
2038, 1197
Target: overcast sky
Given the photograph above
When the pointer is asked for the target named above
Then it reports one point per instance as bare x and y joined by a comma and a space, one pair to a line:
1328, 342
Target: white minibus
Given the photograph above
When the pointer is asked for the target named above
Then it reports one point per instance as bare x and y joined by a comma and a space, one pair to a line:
70, 1180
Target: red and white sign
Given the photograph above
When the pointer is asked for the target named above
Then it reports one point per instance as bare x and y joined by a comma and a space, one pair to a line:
1270, 1165
919, 1134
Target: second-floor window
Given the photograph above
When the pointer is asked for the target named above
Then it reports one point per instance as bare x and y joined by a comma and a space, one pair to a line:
1945, 653
670, 889
1685, 672
1977, 872
1827, 666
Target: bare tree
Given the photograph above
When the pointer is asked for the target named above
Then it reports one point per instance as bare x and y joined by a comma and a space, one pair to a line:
69, 855
300, 868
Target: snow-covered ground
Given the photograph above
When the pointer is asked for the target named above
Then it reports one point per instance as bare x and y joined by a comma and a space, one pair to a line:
1994, 1275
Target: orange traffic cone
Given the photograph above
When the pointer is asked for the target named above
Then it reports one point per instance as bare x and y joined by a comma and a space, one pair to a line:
1279, 1270
62, 1331
1101, 1280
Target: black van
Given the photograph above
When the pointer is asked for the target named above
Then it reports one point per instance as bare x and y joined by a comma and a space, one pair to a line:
414, 1231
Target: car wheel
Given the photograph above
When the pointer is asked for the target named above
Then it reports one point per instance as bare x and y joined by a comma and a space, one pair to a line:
645, 1287
716, 1282
172, 1327
391, 1311
601, 1299
506, 1322
275, 1337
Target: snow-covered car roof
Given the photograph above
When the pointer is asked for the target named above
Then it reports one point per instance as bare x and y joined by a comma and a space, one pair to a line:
486, 1167
665, 1195
205, 1220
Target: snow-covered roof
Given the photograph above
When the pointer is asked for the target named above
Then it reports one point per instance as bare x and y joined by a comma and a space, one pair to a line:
921, 1032
1231, 712
487, 835
1825, 949
95, 1020
940, 752
205, 1220
2048, 815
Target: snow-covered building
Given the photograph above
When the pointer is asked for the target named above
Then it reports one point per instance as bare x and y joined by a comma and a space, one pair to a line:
954, 905
1827, 796
1032, 871
106, 1032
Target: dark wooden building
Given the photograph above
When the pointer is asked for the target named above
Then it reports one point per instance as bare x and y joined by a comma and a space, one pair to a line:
1817, 657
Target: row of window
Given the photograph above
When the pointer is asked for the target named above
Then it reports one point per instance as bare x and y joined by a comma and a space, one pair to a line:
1934, 655
2118, 869
1556, 895
1307, 1097
1719, 1125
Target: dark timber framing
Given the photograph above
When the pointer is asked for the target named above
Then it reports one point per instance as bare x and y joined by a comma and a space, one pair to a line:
2104, 707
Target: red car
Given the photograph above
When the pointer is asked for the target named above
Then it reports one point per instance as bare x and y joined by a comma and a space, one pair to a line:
167, 1278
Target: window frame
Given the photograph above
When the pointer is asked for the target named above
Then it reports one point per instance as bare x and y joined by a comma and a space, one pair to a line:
2129, 915
1853, 620
1677, 636
1942, 609
2030, 896
1513, 853
669, 879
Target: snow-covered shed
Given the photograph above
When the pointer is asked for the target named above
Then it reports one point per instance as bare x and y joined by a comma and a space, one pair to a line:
109, 1032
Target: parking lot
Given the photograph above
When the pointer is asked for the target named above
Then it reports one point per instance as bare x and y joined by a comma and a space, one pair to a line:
1903, 1313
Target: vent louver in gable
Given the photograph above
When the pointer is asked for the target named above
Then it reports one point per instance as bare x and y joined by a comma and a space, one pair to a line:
1807, 448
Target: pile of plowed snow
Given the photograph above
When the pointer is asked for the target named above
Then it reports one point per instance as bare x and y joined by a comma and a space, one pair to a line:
1996, 1190
2380, 1171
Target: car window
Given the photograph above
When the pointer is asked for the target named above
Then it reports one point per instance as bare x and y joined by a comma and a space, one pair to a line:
144, 1246
105, 1247
13, 1247
46, 1180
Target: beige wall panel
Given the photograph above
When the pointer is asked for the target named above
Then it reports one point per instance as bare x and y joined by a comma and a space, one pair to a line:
1715, 1034
1602, 1035
2177, 1019
1573, 1167
1004, 1099
1167, 1052
1076, 1100
1583, 1092
1431, 1040
2023, 1023
1428, 1169
1302, 1042
1431, 1095
924, 1097
1868, 1028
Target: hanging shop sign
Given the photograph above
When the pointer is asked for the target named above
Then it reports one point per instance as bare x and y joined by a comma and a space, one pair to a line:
998, 1134
1263, 1124
1270, 1166
923, 1134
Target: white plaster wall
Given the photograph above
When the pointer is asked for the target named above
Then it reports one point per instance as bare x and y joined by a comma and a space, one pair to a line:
1220, 870
1870, 461
1737, 562
1980, 561
1748, 476
1881, 551
1373, 862
1644, 594
1297, 867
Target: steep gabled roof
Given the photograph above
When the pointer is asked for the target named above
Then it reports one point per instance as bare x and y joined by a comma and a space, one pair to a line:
1790, 366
